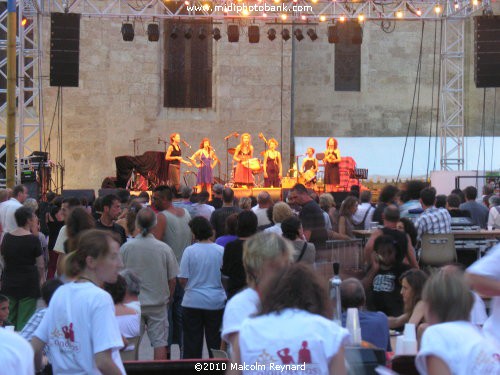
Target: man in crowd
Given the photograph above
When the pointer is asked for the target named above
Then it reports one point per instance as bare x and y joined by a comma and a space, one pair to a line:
155, 263
364, 214
453, 206
494, 215
412, 207
111, 210
9, 207
433, 220
216, 201
478, 212
67, 206
264, 201
219, 216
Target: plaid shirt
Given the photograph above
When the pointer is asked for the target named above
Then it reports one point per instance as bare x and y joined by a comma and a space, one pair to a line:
30, 327
433, 221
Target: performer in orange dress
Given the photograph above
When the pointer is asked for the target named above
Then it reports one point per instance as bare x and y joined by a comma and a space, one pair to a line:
243, 152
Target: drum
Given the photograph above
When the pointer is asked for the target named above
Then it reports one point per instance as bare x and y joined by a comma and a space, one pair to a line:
309, 175
253, 164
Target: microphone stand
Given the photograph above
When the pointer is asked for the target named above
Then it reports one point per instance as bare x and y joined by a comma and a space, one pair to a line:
135, 141
226, 138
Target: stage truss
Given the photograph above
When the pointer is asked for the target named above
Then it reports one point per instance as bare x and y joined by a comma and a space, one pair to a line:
29, 54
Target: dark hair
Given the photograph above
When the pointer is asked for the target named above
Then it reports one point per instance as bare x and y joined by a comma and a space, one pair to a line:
441, 201
72, 202
460, 194
416, 280
290, 227
109, 199
269, 213
388, 194
231, 224
247, 223
391, 213
428, 196
297, 286
117, 290
413, 189
385, 241
133, 209
123, 195
48, 289
165, 192
470, 193
78, 221
18, 189
453, 201
346, 206
410, 230
227, 195
203, 197
144, 195
201, 228
365, 196
22, 215
352, 293
186, 192
300, 189
3, 298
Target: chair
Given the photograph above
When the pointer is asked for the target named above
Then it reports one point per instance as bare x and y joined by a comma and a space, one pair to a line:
438, 249
132, 355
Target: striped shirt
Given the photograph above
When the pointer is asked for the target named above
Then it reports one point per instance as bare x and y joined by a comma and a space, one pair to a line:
433, 221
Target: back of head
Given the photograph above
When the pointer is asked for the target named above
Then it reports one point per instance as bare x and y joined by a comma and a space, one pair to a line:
201, 228
217, 189
413, 189
227, 195
366, 196
453, 201
347, 206
31, 203
352, 293
117, 289
388, 194
165, 192
22, 215
264, 198
470, 193
441, 201
18, 189
231, 224
290, 227
245, 203
145, 220
72, 202
186, 192
494, 200
78, 221
261, 248
281, 211
448, 297
391, 214
49, 288
123, 195
133, 209
247, 223
428, 197
203, 197
299, 189
4, 195
144, 196
295, 287
326, 201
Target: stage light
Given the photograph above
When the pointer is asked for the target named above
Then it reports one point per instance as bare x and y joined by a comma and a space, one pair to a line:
283, 17
188, 33
216, 33
456, 5
303, 17
24, 21
322, 18
298, 34
233, 33
399, 14
253, 34
206, 7
419, 12
245, 12
333, 34
312, 34
153, 32
202, 34
271, 34
475, 2
437, 9
285, 34
342, 18
174, 32
127, 32
361, 17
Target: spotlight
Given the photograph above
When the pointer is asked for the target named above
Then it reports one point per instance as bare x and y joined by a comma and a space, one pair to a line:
285, 34
298, 34
24, 21
216, 33
271, 34
188, 33
233, 33
253, 34
312, 34
333, 34
127, 32
174, 32
202, 34
153, 32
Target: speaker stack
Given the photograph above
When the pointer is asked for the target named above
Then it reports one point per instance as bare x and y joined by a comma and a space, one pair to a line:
487, 51
64, 49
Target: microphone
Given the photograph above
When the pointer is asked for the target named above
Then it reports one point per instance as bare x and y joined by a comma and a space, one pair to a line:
186, 144
261, 135
235, 134
213, 149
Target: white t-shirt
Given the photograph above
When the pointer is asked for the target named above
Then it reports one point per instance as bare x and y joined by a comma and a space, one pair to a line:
16, 354
79, 323
489, 266
470, 356
201, 264
7, 214
291, 337
478, 313
261, 214
241, 306
61, 239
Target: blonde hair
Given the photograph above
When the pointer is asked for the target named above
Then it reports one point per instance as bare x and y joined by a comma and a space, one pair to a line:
263, 247
281, 211
326, 201
245, 203
243, 136
273, 141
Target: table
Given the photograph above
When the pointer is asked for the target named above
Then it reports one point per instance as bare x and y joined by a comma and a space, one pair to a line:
459, 234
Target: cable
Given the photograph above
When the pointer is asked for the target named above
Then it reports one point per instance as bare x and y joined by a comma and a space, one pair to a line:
481, 139
493, 130
432, 102
418, 100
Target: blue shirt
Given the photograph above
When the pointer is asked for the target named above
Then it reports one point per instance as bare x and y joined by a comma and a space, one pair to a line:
374, 328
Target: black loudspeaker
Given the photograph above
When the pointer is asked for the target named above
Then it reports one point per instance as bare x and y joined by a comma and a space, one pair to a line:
88, 194
487, 51
253, 34
33, 189
104, 192
64, 49
233, 33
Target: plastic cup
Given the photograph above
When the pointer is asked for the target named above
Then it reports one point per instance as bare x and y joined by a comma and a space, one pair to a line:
373, 225
352, 325
410, 347
409, 332
400, 349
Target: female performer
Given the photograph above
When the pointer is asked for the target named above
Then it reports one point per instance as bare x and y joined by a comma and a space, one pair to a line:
243, 152
332, 160
175, 159
205, 160
272, 165
310, 166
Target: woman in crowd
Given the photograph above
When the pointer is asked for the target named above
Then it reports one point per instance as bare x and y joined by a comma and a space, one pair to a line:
292, 230
80, 326
309, 167
245, 203
204, 296
281, 211
327, 204
412, 285
243, 153
24, 272
174, 157
407, 226
272, 165
332, 160
4, 312
55, 221
387, 197
294, 325
347, 210
264, 254
205, 160
451, 344
231, 223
